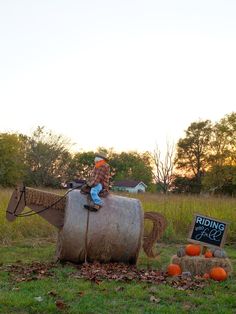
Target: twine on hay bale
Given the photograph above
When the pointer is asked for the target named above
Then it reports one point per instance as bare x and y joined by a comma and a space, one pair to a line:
199, 265
46, 199
159, 226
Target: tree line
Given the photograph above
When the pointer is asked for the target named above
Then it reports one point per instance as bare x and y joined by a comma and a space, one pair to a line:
206, 157
203, 160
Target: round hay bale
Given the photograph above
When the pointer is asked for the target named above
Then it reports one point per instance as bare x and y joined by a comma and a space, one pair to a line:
199, 265
113, 234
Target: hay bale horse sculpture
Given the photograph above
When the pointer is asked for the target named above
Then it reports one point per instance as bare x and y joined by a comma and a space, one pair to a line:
113, 234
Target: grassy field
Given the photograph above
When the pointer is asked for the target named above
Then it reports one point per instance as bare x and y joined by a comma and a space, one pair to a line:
177, 209
30, 281
63, 291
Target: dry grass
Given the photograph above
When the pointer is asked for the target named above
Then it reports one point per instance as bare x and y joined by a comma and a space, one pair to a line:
177, 209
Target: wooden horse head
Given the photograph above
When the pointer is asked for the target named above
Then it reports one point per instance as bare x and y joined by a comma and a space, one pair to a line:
16, 204
50, 206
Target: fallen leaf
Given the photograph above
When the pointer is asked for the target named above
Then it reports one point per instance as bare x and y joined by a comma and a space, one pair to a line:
60, 304
154, 299
152, 289
20, 279
52, 293
39, 299
119, 289
81, 293
187, 306
27, 272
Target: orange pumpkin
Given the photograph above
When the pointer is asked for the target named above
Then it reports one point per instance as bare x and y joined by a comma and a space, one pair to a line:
174, 270
208, 254
193, 249
218, 273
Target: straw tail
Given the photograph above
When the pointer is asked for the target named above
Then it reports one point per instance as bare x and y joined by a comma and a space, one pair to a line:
158, 228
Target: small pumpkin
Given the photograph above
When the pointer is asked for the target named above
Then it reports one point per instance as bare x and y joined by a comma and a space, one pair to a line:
193, 249
218, 273
208, 254
174, 270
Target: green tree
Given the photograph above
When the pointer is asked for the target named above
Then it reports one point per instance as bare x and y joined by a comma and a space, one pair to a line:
47, 158
81, 165
221, 176
223, 145
192, 157
132, 166
11, 159
221, 179
183, 184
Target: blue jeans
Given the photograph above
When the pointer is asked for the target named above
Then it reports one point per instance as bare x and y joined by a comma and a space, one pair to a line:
94, 194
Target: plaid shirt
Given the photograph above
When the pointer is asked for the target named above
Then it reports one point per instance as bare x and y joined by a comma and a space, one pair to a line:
100, 175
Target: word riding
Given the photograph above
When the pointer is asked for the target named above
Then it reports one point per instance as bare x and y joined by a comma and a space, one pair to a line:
210, 223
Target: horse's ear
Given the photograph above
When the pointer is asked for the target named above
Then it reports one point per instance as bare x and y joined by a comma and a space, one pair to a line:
20, 185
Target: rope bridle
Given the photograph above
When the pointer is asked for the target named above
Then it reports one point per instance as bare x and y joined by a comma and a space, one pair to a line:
32, 212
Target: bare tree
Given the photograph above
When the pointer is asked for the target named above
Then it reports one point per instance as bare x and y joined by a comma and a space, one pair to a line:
164, 167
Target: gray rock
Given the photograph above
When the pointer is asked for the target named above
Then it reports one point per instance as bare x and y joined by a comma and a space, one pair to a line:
181, 252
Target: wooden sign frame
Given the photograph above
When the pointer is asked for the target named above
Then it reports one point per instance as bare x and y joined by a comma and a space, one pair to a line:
204, 243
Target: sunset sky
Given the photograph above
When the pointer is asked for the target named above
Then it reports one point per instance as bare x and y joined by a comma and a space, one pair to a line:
124, 74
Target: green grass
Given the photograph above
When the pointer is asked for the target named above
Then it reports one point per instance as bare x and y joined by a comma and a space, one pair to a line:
82, 296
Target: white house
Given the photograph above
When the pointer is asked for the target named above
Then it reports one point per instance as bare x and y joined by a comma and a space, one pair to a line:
130, 186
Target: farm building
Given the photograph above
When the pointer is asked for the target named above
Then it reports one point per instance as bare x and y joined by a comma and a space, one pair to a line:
130, 186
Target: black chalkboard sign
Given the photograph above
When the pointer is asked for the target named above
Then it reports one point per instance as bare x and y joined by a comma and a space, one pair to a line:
208, 231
